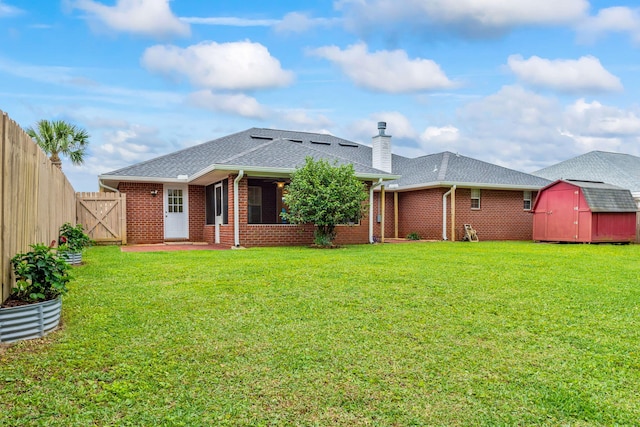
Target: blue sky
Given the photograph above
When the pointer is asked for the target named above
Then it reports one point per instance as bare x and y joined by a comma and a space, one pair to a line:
521, 84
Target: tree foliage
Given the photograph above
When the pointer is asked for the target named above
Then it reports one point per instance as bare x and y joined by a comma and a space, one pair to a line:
58, 137
324, 195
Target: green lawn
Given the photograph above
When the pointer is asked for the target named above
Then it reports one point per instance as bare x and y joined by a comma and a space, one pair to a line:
414, 334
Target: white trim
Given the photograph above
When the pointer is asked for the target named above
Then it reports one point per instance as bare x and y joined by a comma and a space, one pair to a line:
478, 198
235, 168
236, 210
142, 179
438, 184
371, 208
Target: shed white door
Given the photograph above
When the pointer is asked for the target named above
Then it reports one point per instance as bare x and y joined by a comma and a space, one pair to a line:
176, 211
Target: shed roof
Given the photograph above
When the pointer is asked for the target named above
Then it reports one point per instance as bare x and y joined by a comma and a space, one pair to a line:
603, 197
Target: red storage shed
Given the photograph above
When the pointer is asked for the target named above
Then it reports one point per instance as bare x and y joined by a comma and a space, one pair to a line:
584, 212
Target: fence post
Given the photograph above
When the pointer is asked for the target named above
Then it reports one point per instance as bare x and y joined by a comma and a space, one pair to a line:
4, 262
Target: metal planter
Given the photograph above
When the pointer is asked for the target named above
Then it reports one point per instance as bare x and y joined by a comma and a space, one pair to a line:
73, 258
29, 321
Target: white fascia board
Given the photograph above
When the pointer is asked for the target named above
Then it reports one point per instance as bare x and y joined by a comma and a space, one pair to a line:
140, 179
271, 171
267, 171
484, 186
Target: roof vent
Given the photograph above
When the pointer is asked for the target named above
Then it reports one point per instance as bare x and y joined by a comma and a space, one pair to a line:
347, 144
382, 126
320, 142
262, 137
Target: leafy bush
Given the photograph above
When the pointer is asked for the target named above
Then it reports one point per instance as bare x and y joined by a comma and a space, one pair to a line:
324, 195
413, 236
40, 274
73, 239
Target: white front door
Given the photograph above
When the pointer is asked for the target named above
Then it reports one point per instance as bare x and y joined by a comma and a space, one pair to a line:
219, 200
176, 212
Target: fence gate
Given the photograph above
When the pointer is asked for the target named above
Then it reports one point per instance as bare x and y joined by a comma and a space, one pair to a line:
103, 216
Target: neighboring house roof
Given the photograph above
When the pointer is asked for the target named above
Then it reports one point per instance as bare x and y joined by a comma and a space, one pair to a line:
603, 197
280, 151
618, 169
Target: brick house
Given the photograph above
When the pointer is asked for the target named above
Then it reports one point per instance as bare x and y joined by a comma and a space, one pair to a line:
229, 191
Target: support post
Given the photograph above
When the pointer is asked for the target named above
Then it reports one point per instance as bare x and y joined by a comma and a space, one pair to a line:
453, 214
395, 214
382, 203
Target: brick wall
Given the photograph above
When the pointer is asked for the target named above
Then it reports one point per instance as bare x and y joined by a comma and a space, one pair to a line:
500, 217
197, 215
276, 234
145, 213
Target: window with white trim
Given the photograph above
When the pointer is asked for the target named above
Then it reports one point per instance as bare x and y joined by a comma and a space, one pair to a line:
475, 198
255, 205
527, 200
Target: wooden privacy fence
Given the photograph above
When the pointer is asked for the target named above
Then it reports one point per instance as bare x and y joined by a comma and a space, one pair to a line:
35, 197
103, 216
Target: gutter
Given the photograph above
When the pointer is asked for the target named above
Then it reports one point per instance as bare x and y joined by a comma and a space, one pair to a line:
106, 187
444, 212
277, 171
236, 211
377, 184
438, 184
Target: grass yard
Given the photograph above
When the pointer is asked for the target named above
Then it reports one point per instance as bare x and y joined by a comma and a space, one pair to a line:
452, 334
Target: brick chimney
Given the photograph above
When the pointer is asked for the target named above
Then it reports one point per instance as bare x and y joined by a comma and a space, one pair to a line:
381, 153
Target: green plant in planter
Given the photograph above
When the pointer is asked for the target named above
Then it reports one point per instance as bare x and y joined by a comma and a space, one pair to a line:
73, 239
40, 274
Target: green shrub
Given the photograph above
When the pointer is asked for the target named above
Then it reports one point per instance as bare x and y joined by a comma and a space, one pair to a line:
73, 239
413, 236
40, 274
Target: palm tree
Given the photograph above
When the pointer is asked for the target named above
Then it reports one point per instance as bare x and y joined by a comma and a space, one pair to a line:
57, 137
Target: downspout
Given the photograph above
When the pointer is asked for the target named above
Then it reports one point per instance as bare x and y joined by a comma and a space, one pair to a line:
377, 184
236, 210
106, 187
444, 212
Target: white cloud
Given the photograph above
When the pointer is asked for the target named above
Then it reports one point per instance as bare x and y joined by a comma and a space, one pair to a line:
443, 136
239, 104
230, 21
6, 10
302, 120
611, 20
520, 129
386, 71
467, 17
297, 22
595, 121
230, 66
404, 136
123, 146
565, 75
148, 17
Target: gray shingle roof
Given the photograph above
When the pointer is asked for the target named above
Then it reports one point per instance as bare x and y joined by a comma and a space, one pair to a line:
448, 167
281, 149
603, 197
618, 169
254, 147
